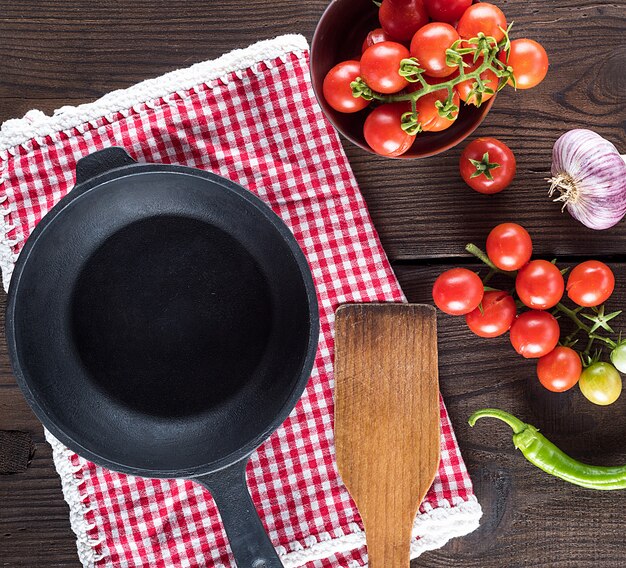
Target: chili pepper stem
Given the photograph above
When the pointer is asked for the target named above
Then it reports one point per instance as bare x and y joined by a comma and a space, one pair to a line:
515, 423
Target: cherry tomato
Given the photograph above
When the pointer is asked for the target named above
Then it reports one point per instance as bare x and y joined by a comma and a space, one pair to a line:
427, 111
600, 383
429, 45
539, 285
496, 317
458, 291
529, 61
560, 369
380, 66
464, 88
375, 36
383, 132
618, 357
482, 17
337, 90
534, 334
402, 18
509, 246
487, 165
446, 10
590, 284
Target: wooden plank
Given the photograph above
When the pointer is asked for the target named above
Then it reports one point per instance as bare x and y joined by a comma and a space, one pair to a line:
76, 51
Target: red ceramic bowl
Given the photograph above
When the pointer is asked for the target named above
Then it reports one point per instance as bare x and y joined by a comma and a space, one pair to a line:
338, 37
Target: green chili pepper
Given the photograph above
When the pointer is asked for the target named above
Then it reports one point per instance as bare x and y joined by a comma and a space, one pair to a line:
541, 452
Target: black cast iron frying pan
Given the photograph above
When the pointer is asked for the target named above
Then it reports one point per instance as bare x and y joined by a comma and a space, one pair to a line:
162, 322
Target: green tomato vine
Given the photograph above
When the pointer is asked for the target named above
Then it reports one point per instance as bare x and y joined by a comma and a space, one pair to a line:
593, 322
481, 46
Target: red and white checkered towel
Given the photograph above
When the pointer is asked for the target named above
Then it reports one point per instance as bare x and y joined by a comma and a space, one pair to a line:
250, 116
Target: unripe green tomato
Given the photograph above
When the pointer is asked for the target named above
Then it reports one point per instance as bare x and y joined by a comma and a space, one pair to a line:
600, 383
618, 357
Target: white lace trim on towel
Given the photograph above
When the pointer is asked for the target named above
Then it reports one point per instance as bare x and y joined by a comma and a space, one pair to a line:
435, 527
77, 500
36, 124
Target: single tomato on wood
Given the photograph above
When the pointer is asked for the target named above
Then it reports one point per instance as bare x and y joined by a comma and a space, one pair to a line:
487, 165
535, 334
380, 67
540, 285
494, 316
560, 369
383, 131
458, 291
509, 246
402, 18
429, 45
337, 90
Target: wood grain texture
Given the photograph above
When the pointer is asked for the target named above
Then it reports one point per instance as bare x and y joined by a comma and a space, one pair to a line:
77, 50
387, 419
54, 53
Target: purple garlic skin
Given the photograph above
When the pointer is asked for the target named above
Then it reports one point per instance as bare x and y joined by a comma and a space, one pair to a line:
590, 176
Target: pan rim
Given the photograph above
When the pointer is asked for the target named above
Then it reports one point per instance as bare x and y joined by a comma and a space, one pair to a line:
298, 386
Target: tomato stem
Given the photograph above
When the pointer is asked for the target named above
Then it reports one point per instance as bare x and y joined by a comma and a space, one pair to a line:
481, 46
482, 256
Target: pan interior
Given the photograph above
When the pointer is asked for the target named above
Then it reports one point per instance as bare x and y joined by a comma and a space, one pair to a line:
171, 316
162, 323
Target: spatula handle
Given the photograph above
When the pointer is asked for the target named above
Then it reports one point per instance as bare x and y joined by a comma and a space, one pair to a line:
387, 548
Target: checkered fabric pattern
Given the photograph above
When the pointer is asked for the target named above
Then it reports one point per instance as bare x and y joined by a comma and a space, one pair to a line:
262, 128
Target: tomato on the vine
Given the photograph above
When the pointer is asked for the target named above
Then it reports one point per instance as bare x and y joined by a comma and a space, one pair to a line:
600, 383
377, 35
429, 45
465, 88
383, 130
560, 369
494, 317
337, 90
529, 62
458, 291
446, 10
535, 333
509, 246
487, 165
402, 18
426, 106
590, 284
482, 17
540, 285
380, 66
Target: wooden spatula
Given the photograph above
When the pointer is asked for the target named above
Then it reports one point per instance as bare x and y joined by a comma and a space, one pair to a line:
387, 419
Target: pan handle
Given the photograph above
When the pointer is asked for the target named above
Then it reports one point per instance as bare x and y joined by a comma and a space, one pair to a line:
249, 542
100, 162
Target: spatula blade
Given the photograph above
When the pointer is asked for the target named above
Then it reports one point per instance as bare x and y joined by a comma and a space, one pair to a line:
387, 418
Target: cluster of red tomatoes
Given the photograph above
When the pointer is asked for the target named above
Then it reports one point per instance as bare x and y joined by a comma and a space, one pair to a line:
425, 31
534, 333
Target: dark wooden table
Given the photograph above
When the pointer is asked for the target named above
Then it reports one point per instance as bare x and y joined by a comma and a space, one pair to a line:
55, 52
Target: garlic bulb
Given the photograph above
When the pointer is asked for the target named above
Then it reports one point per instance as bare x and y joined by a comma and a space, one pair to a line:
590, 176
